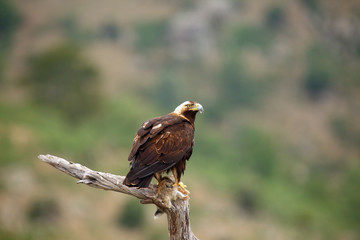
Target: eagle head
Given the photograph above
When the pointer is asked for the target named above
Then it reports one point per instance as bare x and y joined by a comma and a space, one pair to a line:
188, 107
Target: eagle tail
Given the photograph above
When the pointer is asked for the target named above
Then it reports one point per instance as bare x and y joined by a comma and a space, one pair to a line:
138, 182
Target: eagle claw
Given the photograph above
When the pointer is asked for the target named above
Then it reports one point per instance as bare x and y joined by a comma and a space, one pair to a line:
182, 188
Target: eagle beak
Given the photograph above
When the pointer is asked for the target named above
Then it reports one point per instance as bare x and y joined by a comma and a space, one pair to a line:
199, 108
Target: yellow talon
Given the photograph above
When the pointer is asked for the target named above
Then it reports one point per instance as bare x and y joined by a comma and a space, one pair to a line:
183, 188
182, 185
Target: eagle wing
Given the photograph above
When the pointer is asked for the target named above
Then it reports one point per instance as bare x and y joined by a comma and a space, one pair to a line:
158, 145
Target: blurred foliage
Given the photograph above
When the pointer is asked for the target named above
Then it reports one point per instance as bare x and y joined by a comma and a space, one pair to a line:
8, 235
150, 34
251, 36
157, 235
74, 33
44, 210
237, 87
357, 52
62, 79
9, 20
7, 150
132, 215
111, 31
168, 89
248, 200
349, 196
275, 18
58, 135
321, 70
258, 151
313, 5
316, 82
345, 130
10, 152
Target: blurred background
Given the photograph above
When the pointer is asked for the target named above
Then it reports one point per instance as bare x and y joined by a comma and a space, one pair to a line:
277, 149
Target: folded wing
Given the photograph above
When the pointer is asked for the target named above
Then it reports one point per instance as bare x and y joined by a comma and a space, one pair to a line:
159, 145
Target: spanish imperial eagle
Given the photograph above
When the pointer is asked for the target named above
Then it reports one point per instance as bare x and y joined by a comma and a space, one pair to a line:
163, 144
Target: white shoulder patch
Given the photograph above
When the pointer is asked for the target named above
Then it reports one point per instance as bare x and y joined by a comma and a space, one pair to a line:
145, 124
157, 126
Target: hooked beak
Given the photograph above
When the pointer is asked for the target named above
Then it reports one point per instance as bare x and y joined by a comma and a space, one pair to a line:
199, 108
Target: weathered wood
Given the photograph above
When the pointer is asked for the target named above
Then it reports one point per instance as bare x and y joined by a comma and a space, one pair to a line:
179, 221
167, 200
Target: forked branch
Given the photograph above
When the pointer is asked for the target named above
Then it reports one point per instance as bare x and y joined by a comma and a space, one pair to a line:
176, 209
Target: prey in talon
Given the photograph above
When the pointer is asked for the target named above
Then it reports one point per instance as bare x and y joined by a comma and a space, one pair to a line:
163, 145
167, 192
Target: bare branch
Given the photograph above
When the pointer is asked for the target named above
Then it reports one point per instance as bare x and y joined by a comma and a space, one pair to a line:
106, 181
168, 200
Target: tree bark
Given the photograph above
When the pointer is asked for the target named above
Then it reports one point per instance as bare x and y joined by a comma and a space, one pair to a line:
167, 201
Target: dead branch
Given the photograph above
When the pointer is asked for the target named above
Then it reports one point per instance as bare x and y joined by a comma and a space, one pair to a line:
166, 199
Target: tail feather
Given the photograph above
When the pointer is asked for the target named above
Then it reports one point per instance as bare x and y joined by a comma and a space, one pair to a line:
138, 182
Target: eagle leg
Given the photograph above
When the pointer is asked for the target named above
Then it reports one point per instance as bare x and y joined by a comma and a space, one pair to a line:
158, 177
180, 186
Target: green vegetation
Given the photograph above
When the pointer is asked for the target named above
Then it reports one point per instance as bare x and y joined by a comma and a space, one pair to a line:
237, 85
313, 5
344, 128
248, 200
5, 234
275, 18
132, 215
57, 134
167, 91
60, 78
9, 20
158, 236
321, 70
150, 34
258, 153
44, 210
251, 36
110, 31
349, 196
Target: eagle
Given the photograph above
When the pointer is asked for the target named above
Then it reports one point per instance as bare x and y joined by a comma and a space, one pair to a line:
163, 144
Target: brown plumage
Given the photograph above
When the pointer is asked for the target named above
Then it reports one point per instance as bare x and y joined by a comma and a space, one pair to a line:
163, 144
